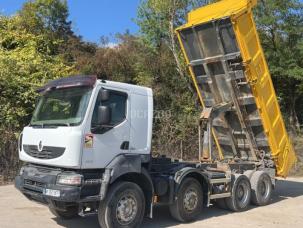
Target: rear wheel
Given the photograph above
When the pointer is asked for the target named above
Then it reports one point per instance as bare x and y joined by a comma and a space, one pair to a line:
189, 202
240, 195
123, 207
261, 186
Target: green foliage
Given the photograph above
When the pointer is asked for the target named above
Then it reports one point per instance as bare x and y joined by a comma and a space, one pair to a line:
280, 26
27, 60
31, 44
154, 17
172, 88
25, 64
46, 17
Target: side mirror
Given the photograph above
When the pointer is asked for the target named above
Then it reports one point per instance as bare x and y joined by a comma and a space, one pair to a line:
104, 115
103, 95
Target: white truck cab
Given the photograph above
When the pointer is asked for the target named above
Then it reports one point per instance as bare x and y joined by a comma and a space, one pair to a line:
64, 131
84, 136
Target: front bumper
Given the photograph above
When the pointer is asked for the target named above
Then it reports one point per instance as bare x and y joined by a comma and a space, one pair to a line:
35, 180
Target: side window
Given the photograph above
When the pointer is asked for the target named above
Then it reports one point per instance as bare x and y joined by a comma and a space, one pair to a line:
117, 103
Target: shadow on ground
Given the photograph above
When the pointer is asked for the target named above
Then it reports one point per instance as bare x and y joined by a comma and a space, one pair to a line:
285, 189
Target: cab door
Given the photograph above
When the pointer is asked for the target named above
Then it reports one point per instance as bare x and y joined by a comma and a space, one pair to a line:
103, 144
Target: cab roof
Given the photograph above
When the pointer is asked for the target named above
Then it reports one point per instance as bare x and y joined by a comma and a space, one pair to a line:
141, 90
91, 81
68, 82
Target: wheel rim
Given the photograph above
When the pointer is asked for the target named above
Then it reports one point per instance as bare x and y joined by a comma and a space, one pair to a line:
264, 188
242, 194
190, 200
126, 209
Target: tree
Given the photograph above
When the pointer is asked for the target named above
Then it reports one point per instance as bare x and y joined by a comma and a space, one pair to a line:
46, 17
280, 25
50, 18
26, 62
158, 19
172, 87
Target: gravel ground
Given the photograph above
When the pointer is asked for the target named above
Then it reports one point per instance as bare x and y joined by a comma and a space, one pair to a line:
285, 210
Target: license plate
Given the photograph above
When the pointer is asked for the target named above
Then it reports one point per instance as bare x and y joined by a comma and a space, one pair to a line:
51, 192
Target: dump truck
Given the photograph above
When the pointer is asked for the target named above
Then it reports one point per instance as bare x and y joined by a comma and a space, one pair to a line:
87, 149
228, 66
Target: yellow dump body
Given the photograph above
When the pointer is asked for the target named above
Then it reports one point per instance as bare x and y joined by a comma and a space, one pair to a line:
227, 65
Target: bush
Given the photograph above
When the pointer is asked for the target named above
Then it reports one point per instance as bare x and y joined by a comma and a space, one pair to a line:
9, 161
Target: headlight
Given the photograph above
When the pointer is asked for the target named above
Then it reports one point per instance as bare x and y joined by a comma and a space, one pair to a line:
70, 179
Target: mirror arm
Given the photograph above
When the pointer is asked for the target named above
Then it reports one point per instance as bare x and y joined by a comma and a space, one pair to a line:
99, 128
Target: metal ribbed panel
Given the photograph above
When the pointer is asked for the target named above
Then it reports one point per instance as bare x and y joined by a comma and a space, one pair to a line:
227, 64
263, 90
219, 72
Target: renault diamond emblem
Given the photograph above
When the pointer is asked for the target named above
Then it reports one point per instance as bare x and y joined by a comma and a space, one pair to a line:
40, 146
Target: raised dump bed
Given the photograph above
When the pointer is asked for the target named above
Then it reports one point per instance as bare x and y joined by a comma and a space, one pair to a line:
228, 66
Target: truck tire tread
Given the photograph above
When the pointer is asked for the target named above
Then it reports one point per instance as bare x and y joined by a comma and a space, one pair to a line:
235, 204
257, 179
105, 215
177, 210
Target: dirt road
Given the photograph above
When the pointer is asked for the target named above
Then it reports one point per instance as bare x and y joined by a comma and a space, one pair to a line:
286, 210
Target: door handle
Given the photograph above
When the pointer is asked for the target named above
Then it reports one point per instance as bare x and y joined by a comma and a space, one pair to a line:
125, 145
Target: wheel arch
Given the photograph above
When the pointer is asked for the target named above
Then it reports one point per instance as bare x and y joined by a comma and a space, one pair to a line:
130, 167
196, 174
144, 181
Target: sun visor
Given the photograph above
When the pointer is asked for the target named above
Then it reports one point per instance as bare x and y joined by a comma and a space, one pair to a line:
69, 82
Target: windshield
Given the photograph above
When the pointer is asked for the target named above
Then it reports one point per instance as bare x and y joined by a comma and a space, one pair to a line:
63, 107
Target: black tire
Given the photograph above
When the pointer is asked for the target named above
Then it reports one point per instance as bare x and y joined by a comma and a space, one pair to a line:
69, 213
261, 187
187, 211
240, 195
110, 214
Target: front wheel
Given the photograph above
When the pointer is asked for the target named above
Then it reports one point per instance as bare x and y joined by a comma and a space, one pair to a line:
123, 207
189, 202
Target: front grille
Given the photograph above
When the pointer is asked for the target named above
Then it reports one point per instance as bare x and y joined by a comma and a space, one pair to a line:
48, 152
34, 186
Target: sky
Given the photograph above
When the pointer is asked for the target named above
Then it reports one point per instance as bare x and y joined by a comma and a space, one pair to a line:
93, 18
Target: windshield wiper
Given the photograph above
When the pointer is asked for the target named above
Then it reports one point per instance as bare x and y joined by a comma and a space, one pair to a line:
57, 124
37, 125
43, 125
